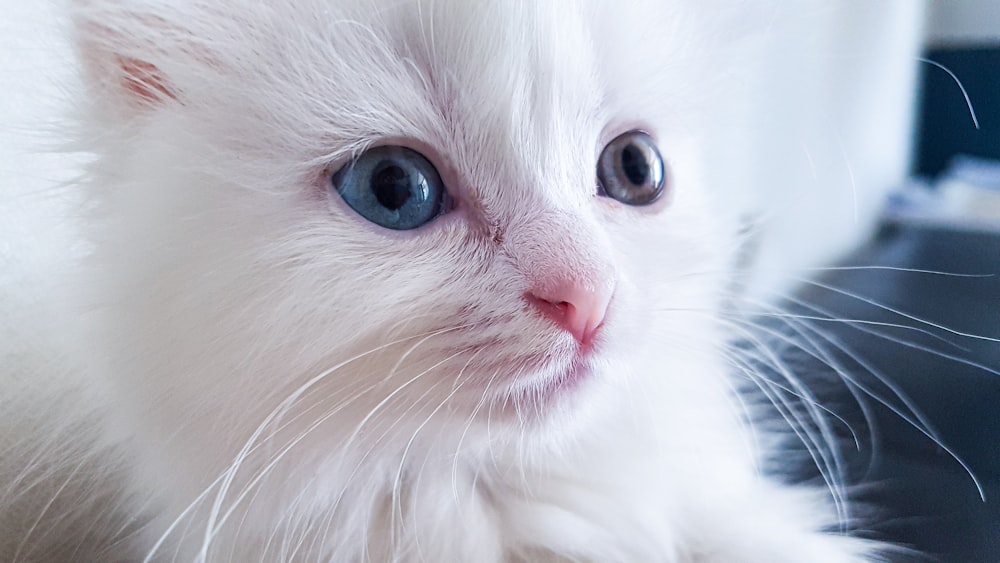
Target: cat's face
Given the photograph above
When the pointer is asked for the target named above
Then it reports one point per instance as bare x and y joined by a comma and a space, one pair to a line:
240, 281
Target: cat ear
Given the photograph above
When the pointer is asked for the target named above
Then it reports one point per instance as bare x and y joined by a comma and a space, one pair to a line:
123, 54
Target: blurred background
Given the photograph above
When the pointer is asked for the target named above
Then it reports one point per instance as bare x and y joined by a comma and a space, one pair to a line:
849, 107
871, 142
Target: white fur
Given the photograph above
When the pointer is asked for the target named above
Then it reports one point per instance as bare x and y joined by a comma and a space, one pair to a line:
244, 369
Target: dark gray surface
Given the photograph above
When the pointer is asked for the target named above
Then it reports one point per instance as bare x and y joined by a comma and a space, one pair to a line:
915, 492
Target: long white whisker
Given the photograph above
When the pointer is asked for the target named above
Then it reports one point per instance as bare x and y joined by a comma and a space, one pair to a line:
954, 77
852, 321
312, 427
917, 420
45, 509
898, 312
828, 460
475, 412
227, 475
397, 482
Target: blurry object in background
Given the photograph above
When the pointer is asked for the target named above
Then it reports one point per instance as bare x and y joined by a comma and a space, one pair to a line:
957, 157
966, 195
963, 23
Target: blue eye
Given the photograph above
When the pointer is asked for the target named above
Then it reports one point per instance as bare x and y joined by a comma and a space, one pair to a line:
393, 187
631, 170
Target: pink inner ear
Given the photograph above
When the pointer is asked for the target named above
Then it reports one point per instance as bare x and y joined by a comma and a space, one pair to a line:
144, 80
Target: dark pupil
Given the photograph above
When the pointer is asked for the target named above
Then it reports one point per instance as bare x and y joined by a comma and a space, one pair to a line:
634, 165
391, 185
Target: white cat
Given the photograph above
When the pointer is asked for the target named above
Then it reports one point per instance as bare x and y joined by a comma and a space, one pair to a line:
391, 281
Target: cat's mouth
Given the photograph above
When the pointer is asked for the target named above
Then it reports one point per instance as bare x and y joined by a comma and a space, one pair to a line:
498, 368
541, 377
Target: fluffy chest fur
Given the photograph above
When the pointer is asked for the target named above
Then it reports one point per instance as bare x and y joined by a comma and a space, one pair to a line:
271, 375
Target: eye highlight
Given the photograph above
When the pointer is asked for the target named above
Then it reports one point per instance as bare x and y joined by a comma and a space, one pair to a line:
631, 170
393, 187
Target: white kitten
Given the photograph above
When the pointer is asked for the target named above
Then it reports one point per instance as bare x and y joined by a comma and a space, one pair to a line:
289, 342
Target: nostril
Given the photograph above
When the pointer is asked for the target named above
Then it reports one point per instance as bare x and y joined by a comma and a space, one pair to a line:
554, 310
572, 307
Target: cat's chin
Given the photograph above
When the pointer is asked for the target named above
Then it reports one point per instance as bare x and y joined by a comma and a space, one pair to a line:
577, 374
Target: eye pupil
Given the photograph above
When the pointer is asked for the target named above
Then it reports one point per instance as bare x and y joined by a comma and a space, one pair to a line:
391, 185
634, 165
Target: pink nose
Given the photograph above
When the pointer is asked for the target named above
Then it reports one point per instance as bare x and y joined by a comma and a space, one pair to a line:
576, 307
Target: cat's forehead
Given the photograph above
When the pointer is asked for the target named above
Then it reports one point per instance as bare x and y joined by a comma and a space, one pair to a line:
508, 94
513, 94
508, 85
